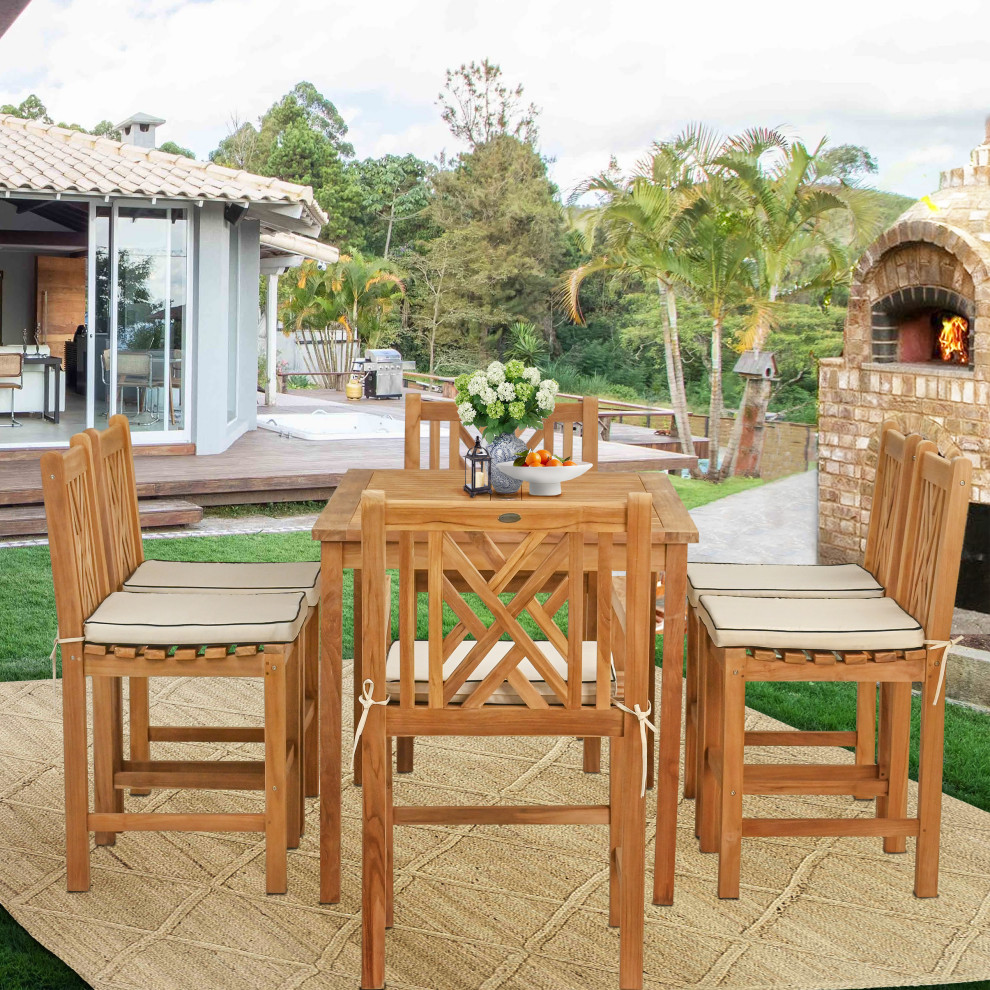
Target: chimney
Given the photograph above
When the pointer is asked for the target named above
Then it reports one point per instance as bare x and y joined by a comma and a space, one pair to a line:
139, 130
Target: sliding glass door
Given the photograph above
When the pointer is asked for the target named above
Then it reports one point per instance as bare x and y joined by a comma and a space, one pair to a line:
141, 318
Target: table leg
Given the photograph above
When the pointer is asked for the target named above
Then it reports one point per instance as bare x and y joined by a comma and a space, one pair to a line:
671, 691
44, 398
331, 657
58, 391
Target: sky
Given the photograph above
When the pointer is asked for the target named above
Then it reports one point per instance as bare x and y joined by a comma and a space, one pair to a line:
906, 79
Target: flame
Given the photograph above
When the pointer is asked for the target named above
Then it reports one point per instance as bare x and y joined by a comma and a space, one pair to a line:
954, 339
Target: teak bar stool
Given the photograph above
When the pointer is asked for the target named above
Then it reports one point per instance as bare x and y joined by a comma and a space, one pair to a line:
583, 413
450, 686
893, 641
110, 635
895, 464
129, 571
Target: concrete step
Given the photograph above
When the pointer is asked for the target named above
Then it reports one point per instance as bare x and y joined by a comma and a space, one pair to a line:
29, 520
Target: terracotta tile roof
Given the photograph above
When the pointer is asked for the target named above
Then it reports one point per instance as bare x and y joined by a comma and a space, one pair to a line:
37, 157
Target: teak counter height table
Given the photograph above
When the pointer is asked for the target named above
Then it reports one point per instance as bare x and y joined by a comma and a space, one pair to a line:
338, 529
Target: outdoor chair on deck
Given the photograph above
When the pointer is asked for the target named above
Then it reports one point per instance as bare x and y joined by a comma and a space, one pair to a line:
108, 635
579, 416
12, 367
896, 462
450, 686
129, 571
891, 640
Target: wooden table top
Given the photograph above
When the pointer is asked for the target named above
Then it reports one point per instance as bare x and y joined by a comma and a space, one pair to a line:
340, 521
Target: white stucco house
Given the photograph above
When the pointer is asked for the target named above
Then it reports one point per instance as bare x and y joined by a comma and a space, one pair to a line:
134, 275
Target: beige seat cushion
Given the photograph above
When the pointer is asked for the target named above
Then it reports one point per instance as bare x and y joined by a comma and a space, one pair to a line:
504, 694
194, 619
781, 581
810, 623
232, 579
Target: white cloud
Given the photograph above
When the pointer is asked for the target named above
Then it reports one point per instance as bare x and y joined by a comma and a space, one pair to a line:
874, 73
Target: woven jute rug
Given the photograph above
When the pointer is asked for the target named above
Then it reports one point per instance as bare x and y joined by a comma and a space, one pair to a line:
477, 908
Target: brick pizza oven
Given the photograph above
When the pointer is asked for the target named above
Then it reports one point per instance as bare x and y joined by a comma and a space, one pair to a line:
917, 350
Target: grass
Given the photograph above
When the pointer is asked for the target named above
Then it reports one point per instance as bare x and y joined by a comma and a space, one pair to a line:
27, 625
695, 492
276, 510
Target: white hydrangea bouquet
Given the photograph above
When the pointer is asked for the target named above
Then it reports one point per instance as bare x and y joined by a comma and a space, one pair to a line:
504, 398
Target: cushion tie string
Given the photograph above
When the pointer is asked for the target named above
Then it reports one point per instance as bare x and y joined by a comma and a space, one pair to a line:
59, 641
366, 701
644, 724
943, 645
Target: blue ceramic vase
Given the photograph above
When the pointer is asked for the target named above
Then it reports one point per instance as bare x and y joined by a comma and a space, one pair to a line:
506, 447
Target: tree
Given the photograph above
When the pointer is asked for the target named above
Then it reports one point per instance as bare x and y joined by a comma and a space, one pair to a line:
789, 206
637, 228
396, 194
714, 262
355, 296
171, 148
30, 108
501, 220
477, 106
527, 344
300, 139
436, 311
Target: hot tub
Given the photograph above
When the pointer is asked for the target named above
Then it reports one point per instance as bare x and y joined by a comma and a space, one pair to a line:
321, 425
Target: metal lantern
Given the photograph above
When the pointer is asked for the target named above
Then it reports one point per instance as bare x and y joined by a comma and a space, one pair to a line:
477, 470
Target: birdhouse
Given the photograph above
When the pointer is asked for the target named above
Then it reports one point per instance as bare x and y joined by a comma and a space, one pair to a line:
757, 364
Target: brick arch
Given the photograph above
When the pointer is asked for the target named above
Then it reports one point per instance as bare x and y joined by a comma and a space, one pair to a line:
970, 252
930, 429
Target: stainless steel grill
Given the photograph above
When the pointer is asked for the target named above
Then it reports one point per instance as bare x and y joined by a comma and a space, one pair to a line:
382, 373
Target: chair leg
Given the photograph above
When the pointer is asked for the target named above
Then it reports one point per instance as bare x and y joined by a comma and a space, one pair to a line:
897, 725
614, 829
139, 708
76, 772
691, 707
632, 874
707, 803
311, 740
358, 671
930, 781
105, 714
866, 718
592, 754
276, 803
404, 754
293, 735
374, 868
389, 842
733, 743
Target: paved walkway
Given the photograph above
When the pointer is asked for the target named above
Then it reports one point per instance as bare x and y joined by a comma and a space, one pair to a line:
776, 523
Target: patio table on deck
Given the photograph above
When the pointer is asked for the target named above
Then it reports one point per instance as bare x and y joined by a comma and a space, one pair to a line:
338, 529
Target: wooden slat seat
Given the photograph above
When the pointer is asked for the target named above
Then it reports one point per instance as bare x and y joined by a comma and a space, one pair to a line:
113, 462
141, 636
878, 572
862, 651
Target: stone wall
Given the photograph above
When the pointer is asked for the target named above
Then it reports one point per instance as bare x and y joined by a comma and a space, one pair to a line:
787, 449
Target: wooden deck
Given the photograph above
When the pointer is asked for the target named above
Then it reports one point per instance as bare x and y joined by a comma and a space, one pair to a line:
263, 467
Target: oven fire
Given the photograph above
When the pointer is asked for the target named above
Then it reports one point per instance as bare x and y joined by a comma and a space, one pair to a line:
953, 339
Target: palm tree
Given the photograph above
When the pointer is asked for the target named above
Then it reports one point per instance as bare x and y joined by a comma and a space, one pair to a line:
793, 206
637, 225
715, 264
355, 297
526, 343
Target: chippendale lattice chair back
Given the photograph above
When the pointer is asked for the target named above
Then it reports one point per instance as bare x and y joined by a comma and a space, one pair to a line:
559, 685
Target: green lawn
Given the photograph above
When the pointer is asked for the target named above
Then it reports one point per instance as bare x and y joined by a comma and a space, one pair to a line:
27, 625
695, 491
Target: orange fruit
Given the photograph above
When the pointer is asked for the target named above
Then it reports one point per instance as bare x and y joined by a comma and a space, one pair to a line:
545, 455
569, 462
533, 459
554, 462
